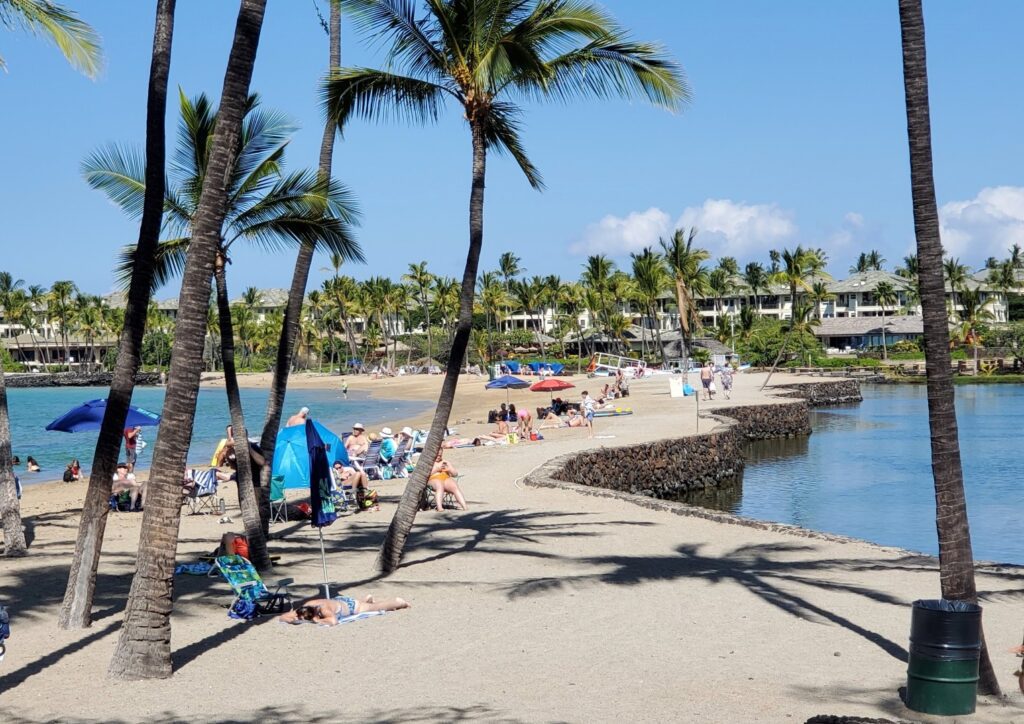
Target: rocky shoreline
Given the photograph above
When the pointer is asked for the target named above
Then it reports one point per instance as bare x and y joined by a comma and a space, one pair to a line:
673, 468
74, 379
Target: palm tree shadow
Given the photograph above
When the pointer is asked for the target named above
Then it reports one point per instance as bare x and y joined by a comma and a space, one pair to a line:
760, 569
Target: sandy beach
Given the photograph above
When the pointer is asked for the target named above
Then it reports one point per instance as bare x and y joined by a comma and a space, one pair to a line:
533, 605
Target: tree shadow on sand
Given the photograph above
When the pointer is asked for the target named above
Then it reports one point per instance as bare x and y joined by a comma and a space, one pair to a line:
766, 571
301, 715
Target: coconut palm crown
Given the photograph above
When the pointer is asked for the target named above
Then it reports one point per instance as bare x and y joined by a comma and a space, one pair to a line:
265, 206
485, 54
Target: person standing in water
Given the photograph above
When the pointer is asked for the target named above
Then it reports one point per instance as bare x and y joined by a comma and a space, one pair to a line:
344, 389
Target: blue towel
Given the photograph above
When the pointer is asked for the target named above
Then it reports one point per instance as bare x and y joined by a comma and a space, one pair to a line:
194, 569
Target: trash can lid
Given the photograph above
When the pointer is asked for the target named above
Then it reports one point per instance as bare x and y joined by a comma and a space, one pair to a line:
945, 605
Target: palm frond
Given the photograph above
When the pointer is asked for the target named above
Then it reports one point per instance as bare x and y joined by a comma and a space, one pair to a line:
120, 173
259, 178
75, 39
411, 43
195, 135
372, 94
501, 131
616, 67
168, 263
263, 132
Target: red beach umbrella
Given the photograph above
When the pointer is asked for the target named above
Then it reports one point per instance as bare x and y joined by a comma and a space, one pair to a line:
551, 384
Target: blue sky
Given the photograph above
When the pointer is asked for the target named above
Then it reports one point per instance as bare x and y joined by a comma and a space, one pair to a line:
796, 133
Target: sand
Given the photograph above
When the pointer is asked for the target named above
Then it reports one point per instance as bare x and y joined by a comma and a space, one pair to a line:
534, 605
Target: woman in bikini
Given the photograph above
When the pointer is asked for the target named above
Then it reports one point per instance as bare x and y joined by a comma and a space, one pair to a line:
442, 480
329, 611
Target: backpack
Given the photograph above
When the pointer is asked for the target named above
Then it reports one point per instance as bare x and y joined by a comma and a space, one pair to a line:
69, 477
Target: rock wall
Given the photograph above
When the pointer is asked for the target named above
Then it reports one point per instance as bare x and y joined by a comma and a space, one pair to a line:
74, 379
711, 463
824, 394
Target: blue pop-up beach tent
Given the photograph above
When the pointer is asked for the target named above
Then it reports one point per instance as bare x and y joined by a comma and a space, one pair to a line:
291, 457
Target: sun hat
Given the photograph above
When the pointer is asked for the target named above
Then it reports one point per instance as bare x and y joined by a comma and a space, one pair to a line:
304, 411
385, 432
358, 426
407, 431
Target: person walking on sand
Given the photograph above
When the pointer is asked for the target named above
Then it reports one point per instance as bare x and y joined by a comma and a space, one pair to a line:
707, 378
589, 405
726, 376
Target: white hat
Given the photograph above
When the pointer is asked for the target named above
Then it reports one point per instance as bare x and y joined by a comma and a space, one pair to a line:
407, 431
358, 426
304, 411
385, 432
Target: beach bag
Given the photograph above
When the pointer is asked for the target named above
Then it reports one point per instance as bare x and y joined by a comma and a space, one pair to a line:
687, 389
711, 387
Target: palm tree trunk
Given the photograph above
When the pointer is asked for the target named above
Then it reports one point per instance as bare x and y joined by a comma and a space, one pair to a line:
885, 351
144, 645
956, 558
10, 508
76, 609
293, 310
426, 313
401, 524
785, 340
657, 332
247, 496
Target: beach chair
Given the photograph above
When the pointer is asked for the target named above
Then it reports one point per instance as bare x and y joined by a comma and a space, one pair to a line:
448, 501
252, 597
401, 459
278, 502
371, 461
202, 497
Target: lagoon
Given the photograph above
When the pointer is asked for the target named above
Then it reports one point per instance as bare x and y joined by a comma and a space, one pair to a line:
32, 409
866, 471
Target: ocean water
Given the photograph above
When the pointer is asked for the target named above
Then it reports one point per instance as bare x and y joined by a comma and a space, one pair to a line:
32, 409
866, 471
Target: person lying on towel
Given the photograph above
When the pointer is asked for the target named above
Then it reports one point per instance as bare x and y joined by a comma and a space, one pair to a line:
329, 611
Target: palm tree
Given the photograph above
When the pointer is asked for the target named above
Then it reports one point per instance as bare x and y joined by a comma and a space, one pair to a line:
720, 286
1016, 258
300, 278
421, 279
596, 277
956, 558
729, 265
59, 308
143, 647
689, 277
797, 266
509, 268
820, 294
264, 206
571, 299
973, 313
755, 277
886, 296
956, 276
652, 280
484, 55
1004, 278
75, 39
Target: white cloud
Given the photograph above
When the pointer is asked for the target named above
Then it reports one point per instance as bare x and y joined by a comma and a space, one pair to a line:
984, 226
726, 228
618, 236
729, 228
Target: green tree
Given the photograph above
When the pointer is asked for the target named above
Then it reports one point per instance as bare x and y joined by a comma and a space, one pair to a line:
956, 558
689, 277
652, 280
820, 294
755, 277
886, 296
75, 39
421, 280
143, 647
797, 267
485, 55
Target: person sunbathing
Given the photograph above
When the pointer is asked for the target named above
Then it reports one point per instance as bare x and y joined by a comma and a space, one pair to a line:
442, 480
550, 420
486, 438
328, 611
575, 419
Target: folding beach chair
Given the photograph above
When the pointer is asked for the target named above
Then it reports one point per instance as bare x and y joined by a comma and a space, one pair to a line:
278, 501
202, 497
371, 462
448, 501
252, 598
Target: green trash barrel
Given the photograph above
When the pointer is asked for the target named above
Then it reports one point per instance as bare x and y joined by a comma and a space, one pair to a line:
945, 645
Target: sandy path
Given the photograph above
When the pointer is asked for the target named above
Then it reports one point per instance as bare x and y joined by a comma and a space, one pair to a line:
535, 605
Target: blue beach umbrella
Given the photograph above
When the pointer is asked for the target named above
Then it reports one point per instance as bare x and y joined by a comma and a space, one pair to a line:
320, 497
507, 382
291, 456
89, 416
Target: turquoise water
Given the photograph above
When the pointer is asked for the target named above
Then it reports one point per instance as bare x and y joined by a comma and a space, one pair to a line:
866, 471
31, 410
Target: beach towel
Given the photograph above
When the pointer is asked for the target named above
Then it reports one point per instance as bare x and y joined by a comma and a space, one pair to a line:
346, 619
194, 569
612, 413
